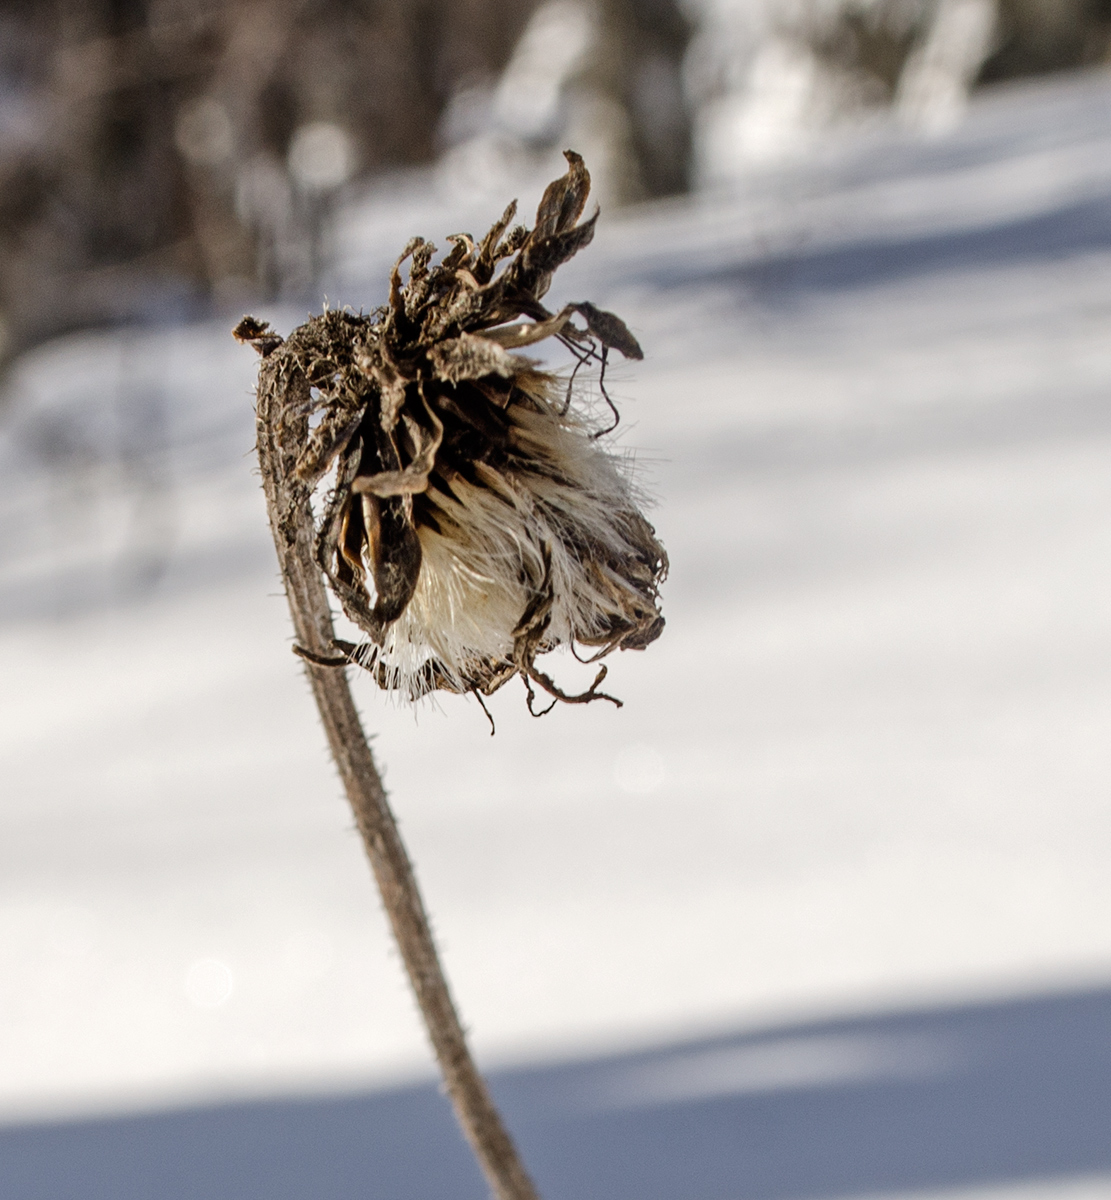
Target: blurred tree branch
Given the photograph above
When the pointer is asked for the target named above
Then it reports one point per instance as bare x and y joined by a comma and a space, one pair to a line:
145, 145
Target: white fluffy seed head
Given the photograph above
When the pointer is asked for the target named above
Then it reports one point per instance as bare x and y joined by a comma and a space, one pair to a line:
568, 518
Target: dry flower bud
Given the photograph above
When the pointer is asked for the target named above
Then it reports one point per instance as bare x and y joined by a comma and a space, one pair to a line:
474, 521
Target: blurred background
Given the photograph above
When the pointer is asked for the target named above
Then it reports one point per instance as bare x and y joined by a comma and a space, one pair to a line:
825, 909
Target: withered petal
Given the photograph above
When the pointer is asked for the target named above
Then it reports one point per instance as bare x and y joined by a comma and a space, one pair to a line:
564, 199
528, 333
471, 356
609, 329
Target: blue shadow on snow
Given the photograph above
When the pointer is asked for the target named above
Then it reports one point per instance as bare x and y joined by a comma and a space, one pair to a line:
963, 1095
1075, 229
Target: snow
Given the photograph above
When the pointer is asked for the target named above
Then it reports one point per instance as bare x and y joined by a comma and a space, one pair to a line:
865, 767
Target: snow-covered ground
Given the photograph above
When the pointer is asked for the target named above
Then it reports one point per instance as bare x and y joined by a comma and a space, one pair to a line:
866, 767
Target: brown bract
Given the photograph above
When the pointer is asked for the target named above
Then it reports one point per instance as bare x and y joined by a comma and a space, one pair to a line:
474, 520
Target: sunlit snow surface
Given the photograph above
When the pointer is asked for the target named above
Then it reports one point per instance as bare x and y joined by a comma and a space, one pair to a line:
866, 766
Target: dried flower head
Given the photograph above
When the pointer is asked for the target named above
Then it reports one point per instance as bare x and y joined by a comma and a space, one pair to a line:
474, 520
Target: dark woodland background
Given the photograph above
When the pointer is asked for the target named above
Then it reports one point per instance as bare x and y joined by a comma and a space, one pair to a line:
158, 154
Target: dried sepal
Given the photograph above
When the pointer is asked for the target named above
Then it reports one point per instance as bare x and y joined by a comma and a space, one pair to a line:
610, 330
252, 332
471, 356
473, 522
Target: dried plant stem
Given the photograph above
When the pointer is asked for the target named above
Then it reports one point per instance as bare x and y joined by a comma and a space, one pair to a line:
288, 504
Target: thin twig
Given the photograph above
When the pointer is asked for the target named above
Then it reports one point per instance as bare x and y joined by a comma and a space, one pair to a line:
482, 704
606, 396
281, 416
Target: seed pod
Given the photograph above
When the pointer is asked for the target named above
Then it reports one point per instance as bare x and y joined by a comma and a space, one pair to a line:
474, 521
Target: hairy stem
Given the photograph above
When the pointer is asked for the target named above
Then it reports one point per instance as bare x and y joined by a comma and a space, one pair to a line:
288, 504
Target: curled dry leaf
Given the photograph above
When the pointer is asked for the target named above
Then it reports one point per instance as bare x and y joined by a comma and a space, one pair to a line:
474, 521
